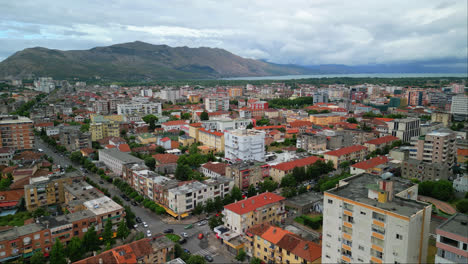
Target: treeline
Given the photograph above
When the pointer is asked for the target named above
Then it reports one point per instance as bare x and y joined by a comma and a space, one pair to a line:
294, 103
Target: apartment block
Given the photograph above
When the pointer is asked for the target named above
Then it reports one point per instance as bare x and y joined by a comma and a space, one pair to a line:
424, 171
325, 119
226, 124
247, 173
236, 91
404, 129
73, 139
278, 171
139, 109
115, 160
216, 103
459, 108
244, 144
311, 142
356, 153
100, 130
102, 107
16, 132
272, 244
370, 219
452, 240
380, 143
212, 139
171, 95
263, 208
441, 117
436, 147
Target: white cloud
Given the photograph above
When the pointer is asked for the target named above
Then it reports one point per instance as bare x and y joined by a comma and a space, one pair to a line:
294, 31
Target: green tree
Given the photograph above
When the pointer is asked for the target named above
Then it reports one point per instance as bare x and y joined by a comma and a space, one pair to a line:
268, 185
196, 259
122, 230
352, 120
241, 255
183, 172
251, 191
198, 209
215, 221
74, 249
151, 121
209, 205
204, 116
150, 162
227, 199
288, 181
218, 204
255, 260
37, 258
57, 254
462, 206
289, 192
250, 126
91, 240
76, 156
107, 233
236, 193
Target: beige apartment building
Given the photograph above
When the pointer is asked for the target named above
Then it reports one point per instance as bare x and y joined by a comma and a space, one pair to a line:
435, 147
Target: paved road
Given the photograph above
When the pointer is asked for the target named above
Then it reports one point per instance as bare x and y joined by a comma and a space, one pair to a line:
445, 207
155, 224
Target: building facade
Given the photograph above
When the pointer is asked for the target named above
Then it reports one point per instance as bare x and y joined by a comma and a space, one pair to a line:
459, 108
452, 240
244, 144
16, 132
436, 147
115, 159
352, 153
216, 103
425, 171
404, 129
140, 109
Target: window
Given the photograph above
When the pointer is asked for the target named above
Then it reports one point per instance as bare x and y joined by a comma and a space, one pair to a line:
264, 249
296, 258
360, 260
363, 213
330, 201
37, 236
2, 253
464, 246
361, 247
398, 236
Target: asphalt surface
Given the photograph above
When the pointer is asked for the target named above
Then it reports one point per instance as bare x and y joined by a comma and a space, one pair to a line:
155, 224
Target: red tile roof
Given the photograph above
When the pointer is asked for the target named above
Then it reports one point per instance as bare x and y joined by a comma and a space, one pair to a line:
287, 166
124, 148
110, 146
300, 123
254, 202
196, 125
269, 127
216, 133
165, 139
218, 167
166, 158
175, 123
344, 151
371, 163
384, 119
382, 140
462, 152
175, 144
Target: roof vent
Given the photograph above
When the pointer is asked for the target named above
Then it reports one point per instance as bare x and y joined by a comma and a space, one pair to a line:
306, 246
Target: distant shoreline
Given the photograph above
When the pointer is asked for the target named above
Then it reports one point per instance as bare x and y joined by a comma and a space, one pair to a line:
351, 75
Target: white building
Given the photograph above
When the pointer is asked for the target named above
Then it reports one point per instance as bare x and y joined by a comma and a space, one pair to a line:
226, 124
216, 103
44, 84
170, 95
459, 107
114, 159
371, 220
404, 129
244, 144
452, 240
460, 184
139, 109
184, 198
146, 92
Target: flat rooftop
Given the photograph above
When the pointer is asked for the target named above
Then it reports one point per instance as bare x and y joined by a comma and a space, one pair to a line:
122, 156
189, 187
102, 205
246, 132
305, 198
455, 225
8, 119
356, 188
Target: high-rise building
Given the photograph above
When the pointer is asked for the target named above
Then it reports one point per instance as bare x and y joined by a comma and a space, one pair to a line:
139, 109
44, 84
216, 103
404, 129
369, 219
171, 95
416, 97
452, 240
459, 108
104, 129
244, 144
101, 107
435, 147
320, 97
16, 132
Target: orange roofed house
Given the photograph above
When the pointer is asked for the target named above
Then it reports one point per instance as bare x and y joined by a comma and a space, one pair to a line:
368, 165
277, 172
355, 152
272, 244
263, 208
380, 143
158, 249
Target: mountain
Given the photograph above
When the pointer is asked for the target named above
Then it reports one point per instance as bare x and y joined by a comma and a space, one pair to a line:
138, 61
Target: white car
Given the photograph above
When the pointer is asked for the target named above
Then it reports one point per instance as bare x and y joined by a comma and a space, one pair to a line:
183, 234
135, 225
148, 235
148, 231
145, 224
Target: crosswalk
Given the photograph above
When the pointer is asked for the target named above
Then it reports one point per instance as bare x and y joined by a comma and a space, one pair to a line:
206, 252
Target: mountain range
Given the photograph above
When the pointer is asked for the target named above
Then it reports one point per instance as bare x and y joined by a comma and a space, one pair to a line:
140, 61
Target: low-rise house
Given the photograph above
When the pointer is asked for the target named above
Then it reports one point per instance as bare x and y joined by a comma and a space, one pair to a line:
177, 124
277, 172
185, 140
146, 138
356, 152
166, 163
380, 143
164, 142
368, 165
10, 201
6, 155
213, 169
247, 173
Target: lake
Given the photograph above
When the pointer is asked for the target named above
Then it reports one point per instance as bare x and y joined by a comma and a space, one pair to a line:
352, 75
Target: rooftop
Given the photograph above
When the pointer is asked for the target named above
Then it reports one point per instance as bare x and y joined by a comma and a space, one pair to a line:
355, 188
382, 140
189, 187
344, 151
287, 166
217, 167
212, 132
122, 156
305, 198
254, 202
166, 158
11, 119
246, 132
456, 224
102, 205
371, 163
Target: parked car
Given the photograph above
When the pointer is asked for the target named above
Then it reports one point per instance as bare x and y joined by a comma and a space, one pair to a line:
188, 226
135, 225
134, 203
204, 222
101, 182
200, 236
149, 235
183, 240
183, 234
145, 224
138, 219
187, 251
169, 231
209, 258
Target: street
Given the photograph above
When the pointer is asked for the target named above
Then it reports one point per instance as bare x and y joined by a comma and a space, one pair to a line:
155, 224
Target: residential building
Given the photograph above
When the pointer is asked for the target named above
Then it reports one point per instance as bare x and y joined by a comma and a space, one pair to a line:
320, 97
100, 130
174, 125
73, 139
171, 95
140, 109
460, 184
186, 140
10, 201
277, 172
212, 139
405, 128
6, 155
452, 240
441, 117
370, 219
338, 139
47, 190
263, 208
101, 107
459, 108
352, 153
257, 105
272, 244
44, 84
325, 119
115, 159
225, 124
425, 171
214, 169
142, 181
158, 249
368, 165
216, 103
16, 132
311, 142
247, 173
462, 155
146, 138
146, 92
236, 91
416, 97
436, 147
380, 143
166, 163
244, 144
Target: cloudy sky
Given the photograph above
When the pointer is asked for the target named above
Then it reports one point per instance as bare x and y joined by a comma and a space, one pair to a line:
304, 32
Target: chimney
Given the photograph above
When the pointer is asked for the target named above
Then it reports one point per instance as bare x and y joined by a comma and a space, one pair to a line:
274, 231
386, 188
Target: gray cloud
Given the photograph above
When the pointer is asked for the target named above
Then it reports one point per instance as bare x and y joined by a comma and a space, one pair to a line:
293, 31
